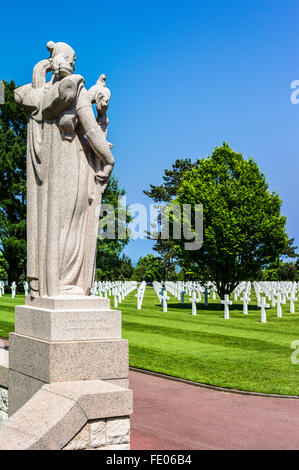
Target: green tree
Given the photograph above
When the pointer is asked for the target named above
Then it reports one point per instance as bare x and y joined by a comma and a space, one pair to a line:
109, 251
149, 268
287, 272
124, 270
242, 225
165, 193
283, 269
13, 127
172, 181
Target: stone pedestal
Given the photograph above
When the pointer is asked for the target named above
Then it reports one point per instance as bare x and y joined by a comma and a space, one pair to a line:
64, 339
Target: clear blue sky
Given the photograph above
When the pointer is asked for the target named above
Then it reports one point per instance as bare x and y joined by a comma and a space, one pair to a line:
184, 76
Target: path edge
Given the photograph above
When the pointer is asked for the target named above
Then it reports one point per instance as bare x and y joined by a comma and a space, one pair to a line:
211, 387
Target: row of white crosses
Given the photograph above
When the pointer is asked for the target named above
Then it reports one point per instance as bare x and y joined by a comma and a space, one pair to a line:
117, 289
140, 294
193, 288
121, 290
13, 288
276, 292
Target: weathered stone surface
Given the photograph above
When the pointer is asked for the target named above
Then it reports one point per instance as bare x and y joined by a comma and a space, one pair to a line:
69, 302
118, 431
120, 382
69, 360
13, 439
96, 398
75, 324
52, 419
103, 434
21, 389
98, 433
81, 441
55, 418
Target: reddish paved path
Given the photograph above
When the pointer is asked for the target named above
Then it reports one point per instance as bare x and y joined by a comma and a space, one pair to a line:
176, 416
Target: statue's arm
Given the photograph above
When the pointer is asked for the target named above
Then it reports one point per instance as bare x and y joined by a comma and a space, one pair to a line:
94, 133
28, 97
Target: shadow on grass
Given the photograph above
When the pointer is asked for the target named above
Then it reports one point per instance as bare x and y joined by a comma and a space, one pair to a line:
214, 307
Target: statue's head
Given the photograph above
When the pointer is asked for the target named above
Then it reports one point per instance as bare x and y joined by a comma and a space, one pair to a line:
62, 59
101, 95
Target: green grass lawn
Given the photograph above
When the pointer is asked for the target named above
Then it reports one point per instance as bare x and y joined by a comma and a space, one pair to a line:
239, 353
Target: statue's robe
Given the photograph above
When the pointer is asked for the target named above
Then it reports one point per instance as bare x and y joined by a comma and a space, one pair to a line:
63, 194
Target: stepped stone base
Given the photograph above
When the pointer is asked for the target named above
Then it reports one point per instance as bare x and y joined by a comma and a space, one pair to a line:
71, 415
64, 339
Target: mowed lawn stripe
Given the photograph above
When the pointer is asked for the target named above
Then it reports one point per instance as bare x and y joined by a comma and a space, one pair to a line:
196, 339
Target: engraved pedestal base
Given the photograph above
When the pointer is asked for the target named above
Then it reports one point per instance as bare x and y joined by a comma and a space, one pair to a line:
64, 339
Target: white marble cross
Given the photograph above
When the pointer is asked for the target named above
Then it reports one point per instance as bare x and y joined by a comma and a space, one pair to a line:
164, 301
245, 299
292, 298
139, 300
279, 302
13, 288
26, 287
194, 300
263, 305
161, 295
226, 302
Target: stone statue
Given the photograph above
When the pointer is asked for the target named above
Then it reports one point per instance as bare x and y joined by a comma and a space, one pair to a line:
68, 166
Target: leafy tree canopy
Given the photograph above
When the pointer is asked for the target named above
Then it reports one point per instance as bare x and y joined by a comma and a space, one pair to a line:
165, 193
243, 228
149, 268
